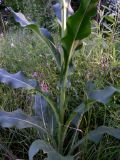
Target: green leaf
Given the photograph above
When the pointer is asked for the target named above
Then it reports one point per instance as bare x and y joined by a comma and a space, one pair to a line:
43, 110
39, 145
104, 95
40, 105
97, 134
46, 148
78, 27
41, 32
19, 120
90, 86
17, 80
80, 110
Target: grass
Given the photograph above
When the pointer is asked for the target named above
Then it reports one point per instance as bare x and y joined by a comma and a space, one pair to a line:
30, 57
99, 61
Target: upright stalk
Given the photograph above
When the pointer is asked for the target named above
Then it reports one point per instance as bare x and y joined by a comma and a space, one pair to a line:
64, 16
63, 82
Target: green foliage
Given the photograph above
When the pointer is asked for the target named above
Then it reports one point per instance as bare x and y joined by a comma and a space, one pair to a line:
56, 126
97, 134
46, 148
19, 119
17, 80
36, 10
81, 28
41, 32
107, 92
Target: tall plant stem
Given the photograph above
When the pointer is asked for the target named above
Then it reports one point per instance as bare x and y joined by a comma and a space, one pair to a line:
64, 16
63, 82
62, 111
62, 100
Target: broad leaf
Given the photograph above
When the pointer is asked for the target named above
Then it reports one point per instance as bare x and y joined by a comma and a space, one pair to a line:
80, 110
41, 32
17, 80
104, 95
46, 148
90, 86
19, 120
75, 116
45, 113
39, 145
97, 134
78, 27
40, 105
57, 9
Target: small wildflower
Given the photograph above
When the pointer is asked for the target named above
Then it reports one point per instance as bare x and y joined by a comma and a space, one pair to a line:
35, 74
12, 45
44, 86
1, 35
88, 75
104, 63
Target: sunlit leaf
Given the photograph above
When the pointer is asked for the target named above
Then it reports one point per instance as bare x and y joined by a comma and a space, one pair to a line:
17, 80
19, 120
97, 134
90, 86
78, 27
41, 32
80, 111
46, 114
38, 145
40, 105
103, 95
57, 10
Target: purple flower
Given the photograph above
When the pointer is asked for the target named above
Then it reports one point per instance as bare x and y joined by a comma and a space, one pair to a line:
35, 74
44, 86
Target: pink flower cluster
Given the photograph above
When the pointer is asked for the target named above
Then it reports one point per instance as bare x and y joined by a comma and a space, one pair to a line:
35, 74
104, 63
44, 87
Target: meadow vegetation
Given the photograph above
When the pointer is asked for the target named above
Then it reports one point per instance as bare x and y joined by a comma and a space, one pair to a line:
98, 61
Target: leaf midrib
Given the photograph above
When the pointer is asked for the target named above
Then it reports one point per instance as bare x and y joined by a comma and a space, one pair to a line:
33, 124
7, 76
